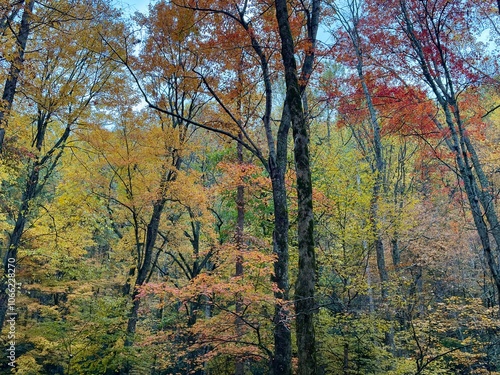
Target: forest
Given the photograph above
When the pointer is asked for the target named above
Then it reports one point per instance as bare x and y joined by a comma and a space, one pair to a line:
239, 187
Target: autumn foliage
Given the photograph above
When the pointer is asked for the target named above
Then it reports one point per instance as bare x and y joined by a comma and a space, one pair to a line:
155, 190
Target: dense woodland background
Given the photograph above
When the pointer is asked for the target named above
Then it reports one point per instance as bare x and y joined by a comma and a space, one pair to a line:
154, 186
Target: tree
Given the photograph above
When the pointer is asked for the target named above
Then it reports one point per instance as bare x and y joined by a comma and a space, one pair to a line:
428, 43
275, 163
350, 18
306, 278
147, 198
68, 77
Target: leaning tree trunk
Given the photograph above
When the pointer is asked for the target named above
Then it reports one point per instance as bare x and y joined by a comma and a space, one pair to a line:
145, 268
481, 204
29, 194
143, 274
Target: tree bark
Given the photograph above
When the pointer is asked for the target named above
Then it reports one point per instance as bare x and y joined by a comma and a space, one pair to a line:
144, 272
239, 366
345, 366
282, 361
145, 268
379, 159
306, 278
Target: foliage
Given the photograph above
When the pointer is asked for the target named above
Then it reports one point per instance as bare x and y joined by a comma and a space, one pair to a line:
146, 239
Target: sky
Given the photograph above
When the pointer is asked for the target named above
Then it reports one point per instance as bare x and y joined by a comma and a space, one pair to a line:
135, 5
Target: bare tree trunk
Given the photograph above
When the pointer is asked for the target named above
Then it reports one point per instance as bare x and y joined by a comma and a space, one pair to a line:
345, 366
239, 366
350, 21
351, 25
282, 361
379, 166
306, 279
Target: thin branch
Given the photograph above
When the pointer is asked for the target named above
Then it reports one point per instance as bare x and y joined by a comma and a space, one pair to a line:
491, 110
151, 105
256, 151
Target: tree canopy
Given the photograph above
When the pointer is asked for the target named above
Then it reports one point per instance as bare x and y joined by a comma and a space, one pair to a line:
250, 187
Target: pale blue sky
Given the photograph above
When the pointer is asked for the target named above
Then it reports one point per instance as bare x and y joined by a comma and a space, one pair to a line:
135, 5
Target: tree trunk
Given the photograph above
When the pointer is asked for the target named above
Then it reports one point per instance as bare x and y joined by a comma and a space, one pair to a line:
379, 168
306, 278
31, 191
395, 252
16, 235
282, 361
239, 366
15, 68
379, 186
144, 272
145, 268
345, 366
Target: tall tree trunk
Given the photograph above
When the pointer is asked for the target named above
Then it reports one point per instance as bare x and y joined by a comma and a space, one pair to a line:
15, 68
400, 190
143, 274
144, 270
146, 259
378, 169
379, 164
306, 279
282, 361
239, 367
